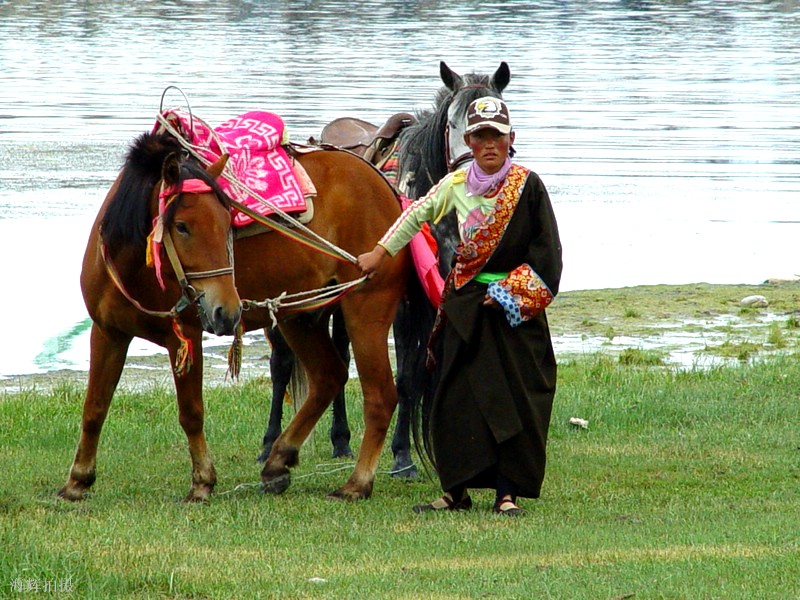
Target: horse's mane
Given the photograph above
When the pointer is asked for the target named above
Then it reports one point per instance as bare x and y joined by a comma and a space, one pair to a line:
127, 220
423, 146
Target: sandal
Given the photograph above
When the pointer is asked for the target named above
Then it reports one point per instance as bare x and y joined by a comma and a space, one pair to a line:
444, 503
508, 508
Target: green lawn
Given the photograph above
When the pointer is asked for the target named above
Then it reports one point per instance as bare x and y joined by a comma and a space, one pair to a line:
685, 485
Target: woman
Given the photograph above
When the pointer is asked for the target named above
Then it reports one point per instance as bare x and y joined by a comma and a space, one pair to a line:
491, 409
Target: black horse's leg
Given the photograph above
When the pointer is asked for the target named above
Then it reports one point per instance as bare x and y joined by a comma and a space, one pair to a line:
281, 364
340, 430
401, 439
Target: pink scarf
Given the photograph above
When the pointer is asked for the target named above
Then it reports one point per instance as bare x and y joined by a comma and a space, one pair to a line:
479, 182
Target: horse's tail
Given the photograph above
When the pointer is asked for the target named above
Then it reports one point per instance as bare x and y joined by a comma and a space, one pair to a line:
415, 382
298, 384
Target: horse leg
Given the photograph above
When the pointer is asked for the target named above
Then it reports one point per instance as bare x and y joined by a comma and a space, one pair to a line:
326, 376
106, 360
191, 415
369, 336
404, 466
281, 364
340, 430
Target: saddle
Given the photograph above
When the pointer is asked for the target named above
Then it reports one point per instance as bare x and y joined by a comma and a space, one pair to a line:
373, 143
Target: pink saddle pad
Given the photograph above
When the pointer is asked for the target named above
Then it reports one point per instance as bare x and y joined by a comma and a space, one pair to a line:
257, 160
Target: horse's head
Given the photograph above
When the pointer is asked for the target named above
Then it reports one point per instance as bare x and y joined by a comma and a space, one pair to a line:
193, 226
463, 90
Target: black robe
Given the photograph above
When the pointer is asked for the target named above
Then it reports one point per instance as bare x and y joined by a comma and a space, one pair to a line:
491, 409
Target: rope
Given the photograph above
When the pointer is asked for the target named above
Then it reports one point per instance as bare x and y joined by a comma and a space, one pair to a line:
344, 467
313, 299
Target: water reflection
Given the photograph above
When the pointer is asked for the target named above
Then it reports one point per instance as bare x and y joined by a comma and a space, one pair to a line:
665, 131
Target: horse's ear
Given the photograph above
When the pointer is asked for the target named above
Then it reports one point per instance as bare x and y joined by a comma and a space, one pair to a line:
451, 79
215, 170
501, 77
171, 170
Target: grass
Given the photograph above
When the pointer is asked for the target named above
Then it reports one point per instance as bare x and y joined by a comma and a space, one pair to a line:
686, 484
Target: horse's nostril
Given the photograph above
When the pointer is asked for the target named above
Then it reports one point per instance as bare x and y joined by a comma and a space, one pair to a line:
225, 322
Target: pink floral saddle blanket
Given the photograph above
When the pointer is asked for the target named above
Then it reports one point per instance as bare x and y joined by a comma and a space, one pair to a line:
260, 174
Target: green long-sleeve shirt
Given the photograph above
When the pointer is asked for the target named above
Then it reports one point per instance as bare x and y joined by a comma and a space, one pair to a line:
447, 195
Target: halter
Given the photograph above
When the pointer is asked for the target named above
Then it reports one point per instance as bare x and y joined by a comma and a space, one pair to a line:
189, 294
160, 236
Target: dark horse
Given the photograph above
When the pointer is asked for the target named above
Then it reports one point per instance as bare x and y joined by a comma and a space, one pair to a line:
428, 149
353, 207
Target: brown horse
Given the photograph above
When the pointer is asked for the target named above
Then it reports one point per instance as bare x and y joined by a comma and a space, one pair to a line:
353, 208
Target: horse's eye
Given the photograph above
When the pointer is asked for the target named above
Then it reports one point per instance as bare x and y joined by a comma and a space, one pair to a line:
182, 228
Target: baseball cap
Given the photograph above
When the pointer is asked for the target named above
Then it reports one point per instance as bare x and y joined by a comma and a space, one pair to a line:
488, 112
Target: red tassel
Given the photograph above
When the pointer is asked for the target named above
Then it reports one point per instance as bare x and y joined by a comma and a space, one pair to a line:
183, 358
235, 353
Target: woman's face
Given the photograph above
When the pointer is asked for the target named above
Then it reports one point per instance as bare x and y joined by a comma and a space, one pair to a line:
490, 148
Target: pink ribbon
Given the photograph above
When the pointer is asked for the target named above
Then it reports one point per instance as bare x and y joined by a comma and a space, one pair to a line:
191, 186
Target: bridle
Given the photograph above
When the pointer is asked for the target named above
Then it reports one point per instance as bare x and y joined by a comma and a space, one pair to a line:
159, 237
453, 164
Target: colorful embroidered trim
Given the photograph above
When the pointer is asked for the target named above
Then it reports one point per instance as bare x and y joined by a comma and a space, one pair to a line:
475, 252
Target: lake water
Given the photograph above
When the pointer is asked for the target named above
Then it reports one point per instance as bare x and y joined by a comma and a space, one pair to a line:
668, 133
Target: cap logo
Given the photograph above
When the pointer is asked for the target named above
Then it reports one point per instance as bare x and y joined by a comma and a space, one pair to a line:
487, 109
488, 112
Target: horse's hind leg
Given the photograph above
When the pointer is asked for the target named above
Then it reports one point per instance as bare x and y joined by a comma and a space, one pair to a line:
106, 360
340, 430
281, 364
404, 466
369, 336
326, 375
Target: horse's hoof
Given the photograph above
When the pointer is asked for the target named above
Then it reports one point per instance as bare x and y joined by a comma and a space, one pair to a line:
404, 467
71, 494
276, 485
198, 496
342, 451
349, 494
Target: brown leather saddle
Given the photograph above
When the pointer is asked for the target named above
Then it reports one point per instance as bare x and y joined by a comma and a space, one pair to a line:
375, 144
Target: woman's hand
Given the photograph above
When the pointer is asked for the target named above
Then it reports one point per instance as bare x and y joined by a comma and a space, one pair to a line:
370, 262
491, 302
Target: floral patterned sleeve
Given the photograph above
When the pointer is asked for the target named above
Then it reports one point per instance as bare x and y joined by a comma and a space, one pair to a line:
522, 294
